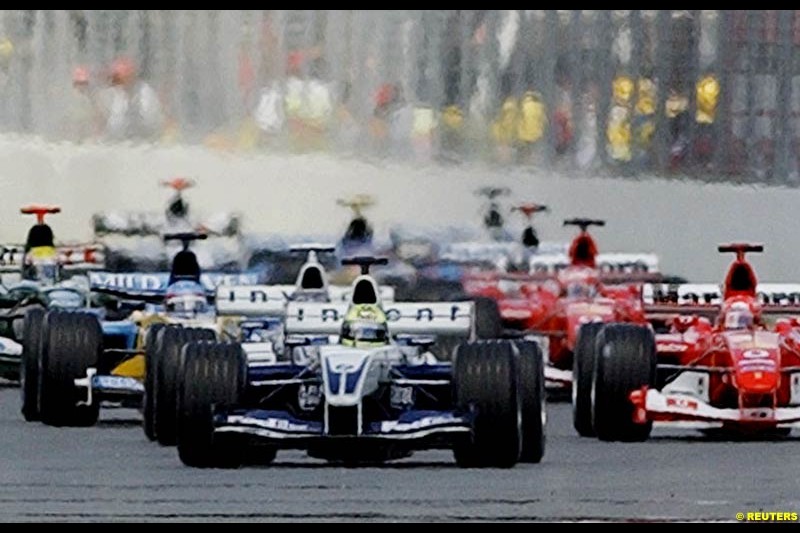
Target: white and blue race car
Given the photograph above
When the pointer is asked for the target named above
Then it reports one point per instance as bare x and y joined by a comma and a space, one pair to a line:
369, 396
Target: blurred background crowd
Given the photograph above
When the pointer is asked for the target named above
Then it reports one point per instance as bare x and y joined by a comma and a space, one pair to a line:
706, 94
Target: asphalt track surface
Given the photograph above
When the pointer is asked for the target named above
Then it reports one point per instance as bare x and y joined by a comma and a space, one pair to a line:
111, 472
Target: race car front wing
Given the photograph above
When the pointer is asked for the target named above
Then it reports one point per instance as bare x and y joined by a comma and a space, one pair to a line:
280, 426
653, 405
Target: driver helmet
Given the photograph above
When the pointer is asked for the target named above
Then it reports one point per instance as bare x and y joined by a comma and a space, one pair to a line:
364, 326
739, 315
580, 283
41, 265
581, 290
186, 298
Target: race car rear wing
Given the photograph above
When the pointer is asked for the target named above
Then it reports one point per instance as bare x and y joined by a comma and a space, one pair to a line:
149, 223
624, 267
71, 257
253, 300
128, 223
440, 318
271, 300
153, 285
706, 298
81, 257
489, 252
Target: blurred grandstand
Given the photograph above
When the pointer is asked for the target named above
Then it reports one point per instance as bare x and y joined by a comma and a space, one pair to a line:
712, 95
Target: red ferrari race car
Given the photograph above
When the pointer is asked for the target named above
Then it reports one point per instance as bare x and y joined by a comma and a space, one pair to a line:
563, 301
728, 360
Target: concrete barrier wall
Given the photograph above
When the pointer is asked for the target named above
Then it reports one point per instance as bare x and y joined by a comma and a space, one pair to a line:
681, 221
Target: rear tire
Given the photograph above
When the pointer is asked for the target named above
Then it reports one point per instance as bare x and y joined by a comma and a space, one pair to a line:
71, 344
29, 365
625, 361
214, 379
532, 393
485, 381
582, 373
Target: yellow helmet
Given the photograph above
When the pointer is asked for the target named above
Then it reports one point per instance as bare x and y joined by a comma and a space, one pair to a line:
364, 326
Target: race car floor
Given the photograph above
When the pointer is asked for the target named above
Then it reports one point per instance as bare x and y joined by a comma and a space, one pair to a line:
111, 472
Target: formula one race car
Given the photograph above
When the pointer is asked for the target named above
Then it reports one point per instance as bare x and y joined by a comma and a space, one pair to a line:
728, 359
442, 260
250, 314
133, 241
43, 261
77, 359
274, 256
27, 297
375, 395
359, 231
30, 275
564, 302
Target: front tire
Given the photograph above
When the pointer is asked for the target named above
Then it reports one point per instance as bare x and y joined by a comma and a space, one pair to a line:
486, 385
169, 365
582, 375
625, 361
214, 380
29, 366
532, 400
71, 344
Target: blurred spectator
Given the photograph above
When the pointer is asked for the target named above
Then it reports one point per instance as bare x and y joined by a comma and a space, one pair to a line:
270, 115
451, 132
708, 91
504, 129
81, 119
631, 125
130, 107
618, 131
401, 117
677, 111
308, 101
644, 119
531, 125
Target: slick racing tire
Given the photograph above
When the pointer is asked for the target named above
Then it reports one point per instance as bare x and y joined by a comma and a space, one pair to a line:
625, 361
71, 344
582, 369
169, 360
148, 400
29, 367
486, 386
213, 380
532, 401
